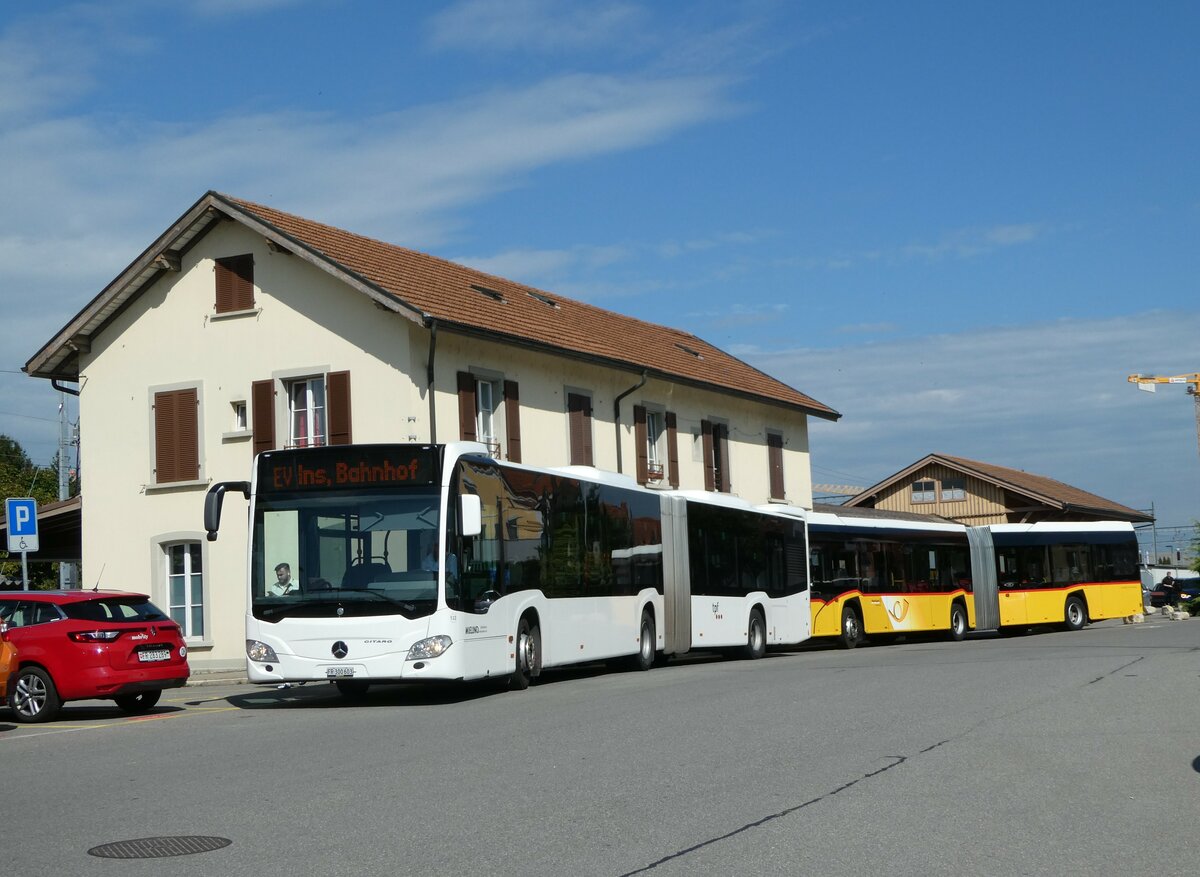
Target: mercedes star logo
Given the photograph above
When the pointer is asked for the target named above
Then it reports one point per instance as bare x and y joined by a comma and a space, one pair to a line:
340, 650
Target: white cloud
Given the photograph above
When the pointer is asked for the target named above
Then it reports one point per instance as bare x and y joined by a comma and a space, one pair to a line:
1048, 398
545, 268
534, 25
239, 8
82, 192
969, 242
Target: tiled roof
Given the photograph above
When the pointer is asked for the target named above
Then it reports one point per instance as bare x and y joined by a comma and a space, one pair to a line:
1042, 486
464, 299
1039, 487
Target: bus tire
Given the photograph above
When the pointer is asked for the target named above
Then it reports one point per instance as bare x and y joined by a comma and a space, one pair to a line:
958, 622
529, 655
851, 634
644, 659
352, 689
1075, 615
756, 637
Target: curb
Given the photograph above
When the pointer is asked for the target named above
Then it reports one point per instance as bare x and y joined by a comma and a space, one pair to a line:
217, 678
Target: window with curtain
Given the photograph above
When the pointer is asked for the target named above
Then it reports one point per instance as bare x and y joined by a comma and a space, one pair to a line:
306, 413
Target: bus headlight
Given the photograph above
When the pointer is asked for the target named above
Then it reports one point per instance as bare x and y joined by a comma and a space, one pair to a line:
429, 647
260, 652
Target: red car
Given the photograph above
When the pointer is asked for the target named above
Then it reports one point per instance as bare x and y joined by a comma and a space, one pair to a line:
84, 645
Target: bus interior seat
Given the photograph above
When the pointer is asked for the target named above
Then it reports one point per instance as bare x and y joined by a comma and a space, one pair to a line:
362, 574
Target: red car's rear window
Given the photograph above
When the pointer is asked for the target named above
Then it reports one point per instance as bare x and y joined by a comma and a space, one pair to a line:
114, 609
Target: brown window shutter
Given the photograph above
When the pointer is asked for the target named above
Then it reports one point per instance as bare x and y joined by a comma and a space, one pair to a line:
176, 436
639, 439
165, 438
466, 407
706, 437
262, 401
235, 284
672, 450
579, 410
721, 441
337, 398
189, 435
775, 464
512, 420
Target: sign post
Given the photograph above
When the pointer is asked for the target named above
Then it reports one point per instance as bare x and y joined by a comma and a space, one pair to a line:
21, 513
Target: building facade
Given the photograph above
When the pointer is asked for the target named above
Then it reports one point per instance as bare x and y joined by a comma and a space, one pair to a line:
975, 493
243, 328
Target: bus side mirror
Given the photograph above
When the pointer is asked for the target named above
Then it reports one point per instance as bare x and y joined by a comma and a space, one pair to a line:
212, 504
472, 514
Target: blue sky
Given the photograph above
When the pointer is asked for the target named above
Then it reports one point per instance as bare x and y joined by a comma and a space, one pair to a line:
961, 224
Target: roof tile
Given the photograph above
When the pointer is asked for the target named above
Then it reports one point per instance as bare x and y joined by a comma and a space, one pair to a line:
450, 293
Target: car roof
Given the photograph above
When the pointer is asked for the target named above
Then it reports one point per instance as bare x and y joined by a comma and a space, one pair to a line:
68, 596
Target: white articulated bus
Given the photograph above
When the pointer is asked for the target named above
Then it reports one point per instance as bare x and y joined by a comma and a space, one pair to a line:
404, 563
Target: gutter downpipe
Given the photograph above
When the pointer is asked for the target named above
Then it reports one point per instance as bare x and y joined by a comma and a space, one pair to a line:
617, 415
432, 324
56, 385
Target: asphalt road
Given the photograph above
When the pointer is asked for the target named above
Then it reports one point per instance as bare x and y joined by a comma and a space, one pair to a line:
1056, 753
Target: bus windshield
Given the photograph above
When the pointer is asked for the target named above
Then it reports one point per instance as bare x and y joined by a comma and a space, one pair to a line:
345, 554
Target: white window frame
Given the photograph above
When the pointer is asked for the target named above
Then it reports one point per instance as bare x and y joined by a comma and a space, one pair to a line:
925, 495
313, 414
192, 601
956, 493
486, 419
656, 442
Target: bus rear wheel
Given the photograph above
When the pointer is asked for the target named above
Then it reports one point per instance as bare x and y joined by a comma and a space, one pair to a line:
529, 655
756, 637
851, 634
958, 622
1075, 614
644, 659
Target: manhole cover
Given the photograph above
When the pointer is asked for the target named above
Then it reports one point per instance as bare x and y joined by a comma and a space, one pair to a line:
159, 847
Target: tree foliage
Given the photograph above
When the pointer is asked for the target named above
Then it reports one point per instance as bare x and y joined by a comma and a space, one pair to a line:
20, 476
1196, 546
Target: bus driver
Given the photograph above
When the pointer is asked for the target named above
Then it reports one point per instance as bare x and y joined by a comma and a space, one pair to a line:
284, 584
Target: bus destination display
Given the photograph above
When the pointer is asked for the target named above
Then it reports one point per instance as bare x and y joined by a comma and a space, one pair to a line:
341, 468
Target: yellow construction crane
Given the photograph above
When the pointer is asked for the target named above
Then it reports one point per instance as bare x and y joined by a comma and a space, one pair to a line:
1150, 383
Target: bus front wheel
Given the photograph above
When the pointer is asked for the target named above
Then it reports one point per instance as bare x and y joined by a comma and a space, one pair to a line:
529, 655
1075, 614
851, 634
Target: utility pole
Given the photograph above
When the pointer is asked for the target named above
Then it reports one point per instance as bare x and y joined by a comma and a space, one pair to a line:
1150, 383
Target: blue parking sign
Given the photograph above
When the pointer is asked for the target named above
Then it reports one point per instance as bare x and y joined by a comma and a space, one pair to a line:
21, 513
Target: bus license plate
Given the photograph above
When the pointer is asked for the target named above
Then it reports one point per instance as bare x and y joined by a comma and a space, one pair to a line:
154, 655
339, 671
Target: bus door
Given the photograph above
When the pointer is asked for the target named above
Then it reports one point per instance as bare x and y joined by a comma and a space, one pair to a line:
677, 577
983, 577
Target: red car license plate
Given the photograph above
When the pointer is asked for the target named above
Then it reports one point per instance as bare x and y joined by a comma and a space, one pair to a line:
154, 655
